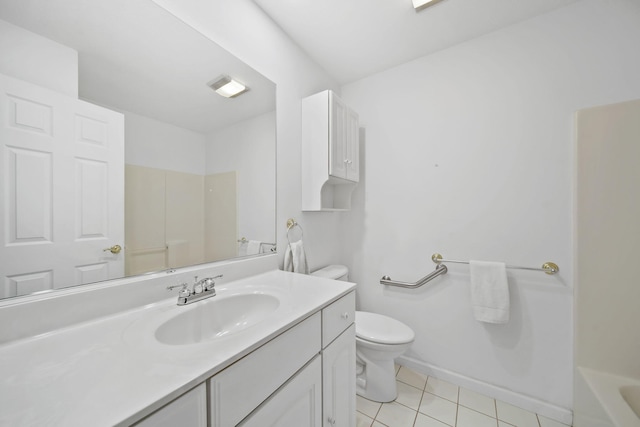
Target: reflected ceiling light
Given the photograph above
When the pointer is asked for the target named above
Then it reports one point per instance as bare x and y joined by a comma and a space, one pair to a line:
421, 4
227, 87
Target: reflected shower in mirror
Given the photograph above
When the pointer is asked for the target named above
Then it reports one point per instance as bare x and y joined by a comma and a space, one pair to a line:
120, 158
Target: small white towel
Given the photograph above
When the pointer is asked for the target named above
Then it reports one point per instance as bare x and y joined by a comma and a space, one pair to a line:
489, 291
242, 249
253, 247
295, 258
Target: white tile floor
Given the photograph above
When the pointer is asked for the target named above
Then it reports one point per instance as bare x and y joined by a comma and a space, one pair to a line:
429, 402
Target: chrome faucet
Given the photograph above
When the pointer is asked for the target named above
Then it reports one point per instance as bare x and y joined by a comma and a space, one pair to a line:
200, 290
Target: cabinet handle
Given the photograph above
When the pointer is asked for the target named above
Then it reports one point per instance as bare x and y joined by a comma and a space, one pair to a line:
345, 315
332, 421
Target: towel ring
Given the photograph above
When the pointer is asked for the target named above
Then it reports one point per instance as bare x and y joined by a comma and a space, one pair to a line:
291, 224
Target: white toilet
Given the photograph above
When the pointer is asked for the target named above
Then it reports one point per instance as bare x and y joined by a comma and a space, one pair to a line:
379, 340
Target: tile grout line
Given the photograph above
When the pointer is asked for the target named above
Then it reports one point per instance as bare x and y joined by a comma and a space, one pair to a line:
457, 405
415, 420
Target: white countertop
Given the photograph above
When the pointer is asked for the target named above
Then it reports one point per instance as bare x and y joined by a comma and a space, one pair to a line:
112, 371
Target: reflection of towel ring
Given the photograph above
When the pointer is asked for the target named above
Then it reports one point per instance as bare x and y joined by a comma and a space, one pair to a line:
291, 223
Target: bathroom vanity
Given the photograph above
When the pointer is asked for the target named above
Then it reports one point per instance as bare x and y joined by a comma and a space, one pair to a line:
272, 349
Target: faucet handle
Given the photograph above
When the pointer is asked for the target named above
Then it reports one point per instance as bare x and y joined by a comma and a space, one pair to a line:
184, 292
210, 283
198, 286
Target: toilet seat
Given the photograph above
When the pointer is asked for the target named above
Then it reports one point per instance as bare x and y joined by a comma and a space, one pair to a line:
381, 329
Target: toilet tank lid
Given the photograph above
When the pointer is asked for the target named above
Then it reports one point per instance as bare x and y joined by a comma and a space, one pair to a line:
382, 329
334, 271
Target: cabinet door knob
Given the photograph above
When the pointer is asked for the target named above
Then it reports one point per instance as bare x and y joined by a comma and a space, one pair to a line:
345, 315
332, 421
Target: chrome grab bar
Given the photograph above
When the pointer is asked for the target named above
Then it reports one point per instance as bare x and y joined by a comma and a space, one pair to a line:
440, 269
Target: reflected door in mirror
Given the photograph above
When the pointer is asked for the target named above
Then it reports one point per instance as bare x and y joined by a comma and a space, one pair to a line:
63, 193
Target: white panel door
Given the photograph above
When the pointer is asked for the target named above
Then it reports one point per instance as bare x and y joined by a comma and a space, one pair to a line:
62, 190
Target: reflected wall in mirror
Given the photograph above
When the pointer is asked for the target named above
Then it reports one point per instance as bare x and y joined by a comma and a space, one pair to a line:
111, 137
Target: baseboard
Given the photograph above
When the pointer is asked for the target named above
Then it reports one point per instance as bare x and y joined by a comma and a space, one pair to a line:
529, 403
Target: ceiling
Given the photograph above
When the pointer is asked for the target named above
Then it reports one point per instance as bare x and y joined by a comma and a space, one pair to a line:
352, 39
137, 57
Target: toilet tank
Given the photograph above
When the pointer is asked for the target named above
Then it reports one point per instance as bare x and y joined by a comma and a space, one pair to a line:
334, 272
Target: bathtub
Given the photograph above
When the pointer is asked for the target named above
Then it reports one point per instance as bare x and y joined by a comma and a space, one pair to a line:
605, 400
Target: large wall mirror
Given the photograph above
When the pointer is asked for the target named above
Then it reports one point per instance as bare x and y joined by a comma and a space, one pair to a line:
118, 158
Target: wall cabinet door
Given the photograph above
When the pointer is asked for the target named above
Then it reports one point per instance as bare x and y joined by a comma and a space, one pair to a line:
339, 381
337, 137
352, 148
298, 403
188, 410
343, 140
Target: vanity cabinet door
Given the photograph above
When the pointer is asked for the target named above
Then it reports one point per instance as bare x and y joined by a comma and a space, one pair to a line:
339, 381
297, 403
188, 410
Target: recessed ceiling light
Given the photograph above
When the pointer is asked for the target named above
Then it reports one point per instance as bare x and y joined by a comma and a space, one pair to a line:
227, 87
421, 4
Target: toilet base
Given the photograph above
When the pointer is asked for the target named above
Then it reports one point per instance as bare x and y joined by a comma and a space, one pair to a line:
377, 381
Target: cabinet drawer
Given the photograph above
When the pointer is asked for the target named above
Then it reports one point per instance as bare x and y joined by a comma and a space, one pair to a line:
337, 317
240, 388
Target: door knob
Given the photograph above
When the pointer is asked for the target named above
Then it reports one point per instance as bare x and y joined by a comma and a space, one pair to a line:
115, 249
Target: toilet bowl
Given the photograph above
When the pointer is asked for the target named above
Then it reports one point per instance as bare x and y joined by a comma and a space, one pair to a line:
379, 340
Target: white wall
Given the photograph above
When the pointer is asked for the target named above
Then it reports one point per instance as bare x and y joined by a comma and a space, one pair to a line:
470, 153
156, 144
36, 59
242, 28
248, 148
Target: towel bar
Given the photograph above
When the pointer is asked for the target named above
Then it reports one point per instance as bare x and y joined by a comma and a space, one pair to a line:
245, 240
547, 267
440, 269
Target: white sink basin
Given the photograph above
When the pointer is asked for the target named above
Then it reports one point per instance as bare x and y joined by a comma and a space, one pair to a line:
216, 317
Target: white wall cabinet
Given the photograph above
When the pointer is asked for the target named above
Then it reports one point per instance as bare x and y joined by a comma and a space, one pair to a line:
330, 152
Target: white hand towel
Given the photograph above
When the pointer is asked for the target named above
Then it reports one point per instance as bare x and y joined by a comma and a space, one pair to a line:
295, 258
489, 291
242, 249
253, 247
